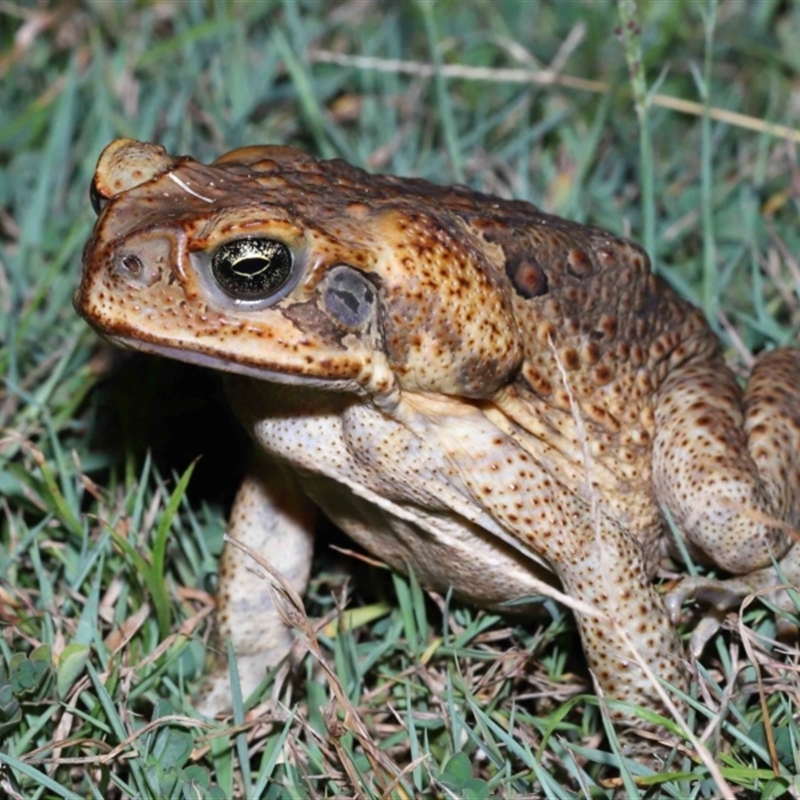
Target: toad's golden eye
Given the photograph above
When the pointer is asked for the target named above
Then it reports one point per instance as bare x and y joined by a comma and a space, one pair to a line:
252, 269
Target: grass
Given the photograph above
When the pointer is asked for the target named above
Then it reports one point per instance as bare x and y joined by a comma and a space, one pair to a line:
108, 547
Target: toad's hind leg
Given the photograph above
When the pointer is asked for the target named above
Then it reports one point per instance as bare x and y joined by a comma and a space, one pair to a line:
273, 517
726, 464
772, 425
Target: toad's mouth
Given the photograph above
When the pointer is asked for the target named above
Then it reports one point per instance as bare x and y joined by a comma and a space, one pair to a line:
286, 356
225, 362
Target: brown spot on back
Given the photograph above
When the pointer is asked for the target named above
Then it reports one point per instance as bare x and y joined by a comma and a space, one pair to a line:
578, 263
527, 278
608, 325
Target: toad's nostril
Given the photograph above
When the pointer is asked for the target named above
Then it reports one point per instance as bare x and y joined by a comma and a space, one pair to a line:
132, 265
135, 270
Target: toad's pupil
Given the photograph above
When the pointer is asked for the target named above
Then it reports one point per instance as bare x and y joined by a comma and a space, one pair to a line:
250, 267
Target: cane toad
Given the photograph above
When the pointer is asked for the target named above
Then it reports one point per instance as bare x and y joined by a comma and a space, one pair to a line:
495, 397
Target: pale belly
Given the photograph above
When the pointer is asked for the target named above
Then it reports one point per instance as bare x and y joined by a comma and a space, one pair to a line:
442, 552
393, 491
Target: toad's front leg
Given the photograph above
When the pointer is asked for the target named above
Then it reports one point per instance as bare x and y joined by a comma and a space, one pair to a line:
272, 516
